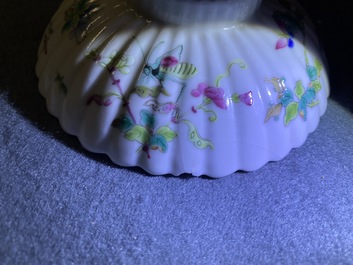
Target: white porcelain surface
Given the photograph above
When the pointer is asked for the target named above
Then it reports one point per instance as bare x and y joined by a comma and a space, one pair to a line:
205, 99
196, 11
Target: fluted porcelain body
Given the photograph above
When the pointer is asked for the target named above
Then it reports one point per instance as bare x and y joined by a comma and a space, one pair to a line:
201, 98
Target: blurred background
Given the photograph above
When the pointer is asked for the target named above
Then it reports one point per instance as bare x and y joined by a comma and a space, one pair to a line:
334, 25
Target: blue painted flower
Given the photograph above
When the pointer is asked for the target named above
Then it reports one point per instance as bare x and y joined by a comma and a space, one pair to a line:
307, 98
286, 97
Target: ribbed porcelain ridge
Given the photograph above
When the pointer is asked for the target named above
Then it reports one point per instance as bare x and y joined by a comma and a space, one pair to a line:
201, 98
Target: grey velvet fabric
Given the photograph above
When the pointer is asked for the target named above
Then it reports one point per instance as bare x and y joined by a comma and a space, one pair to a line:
60, 204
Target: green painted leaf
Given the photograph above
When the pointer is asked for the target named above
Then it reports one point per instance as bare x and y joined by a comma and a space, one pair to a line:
291, 112
318, 66
163, 91
316, 85
157, 90
154, 91
299, 89
314, 103
137, 133
167, 133
142, 91
196, 139
124, 70
123, 62
158, 142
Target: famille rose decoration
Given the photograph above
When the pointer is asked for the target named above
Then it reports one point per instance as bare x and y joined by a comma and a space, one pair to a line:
184, 86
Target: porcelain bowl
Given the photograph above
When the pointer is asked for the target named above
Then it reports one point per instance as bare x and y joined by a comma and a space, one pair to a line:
204, 98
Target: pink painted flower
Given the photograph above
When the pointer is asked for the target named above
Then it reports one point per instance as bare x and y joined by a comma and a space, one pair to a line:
284, 42
199, 90
281, 43
215, 94
246, 98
